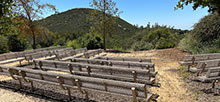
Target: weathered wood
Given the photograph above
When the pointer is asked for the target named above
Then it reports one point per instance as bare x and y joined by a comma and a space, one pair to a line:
105, 76
92, 53
148, 60
100, 55
188, 59
210, 75
113, 86
68, 54
98, 67
149, 66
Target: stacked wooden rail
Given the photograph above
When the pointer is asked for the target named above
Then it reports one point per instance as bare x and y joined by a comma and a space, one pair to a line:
129, 64
190, 60
207, 67
69, 54
91, 70
85, 54
51, 53
125, 59
92, 53
20, 56
81, 83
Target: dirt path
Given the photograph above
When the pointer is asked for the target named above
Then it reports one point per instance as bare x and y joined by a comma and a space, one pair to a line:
166, 61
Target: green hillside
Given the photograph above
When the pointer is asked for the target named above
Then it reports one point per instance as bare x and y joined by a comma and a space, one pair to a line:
73, 24
75, 21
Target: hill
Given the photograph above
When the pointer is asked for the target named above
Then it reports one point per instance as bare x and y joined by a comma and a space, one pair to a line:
75, 22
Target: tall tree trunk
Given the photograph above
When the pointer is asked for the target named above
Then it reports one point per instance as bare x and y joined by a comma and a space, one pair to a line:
104, 40
34, 40
33, 35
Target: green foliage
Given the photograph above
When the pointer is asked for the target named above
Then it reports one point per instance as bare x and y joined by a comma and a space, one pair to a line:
141, 45
91, 41
3, 44
205, 37
74, 44
15, 43
213, 5
156, 37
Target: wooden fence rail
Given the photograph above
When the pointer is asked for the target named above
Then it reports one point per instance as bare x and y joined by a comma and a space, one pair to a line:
190, 60
149, 66
20, 56
142, 76
148, 60
81, 83
87, 54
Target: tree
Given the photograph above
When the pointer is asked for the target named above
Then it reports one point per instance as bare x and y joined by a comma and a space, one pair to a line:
5, 16
104, 23
31, 10
213, 5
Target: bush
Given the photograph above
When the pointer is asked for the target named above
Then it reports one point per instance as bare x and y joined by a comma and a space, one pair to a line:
16, 44
204, 38
74, 44
91, 41
3, 44
140, 46
161, 38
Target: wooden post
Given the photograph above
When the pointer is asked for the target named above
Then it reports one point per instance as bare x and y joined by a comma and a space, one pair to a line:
140, 60
88, 70
40, 64
203, 69
20, 82
79, 85
134, 76
105, 86
20, 63
129, 65
73, 82
149, 74
35, 64
61, 82
145, 91
70, 68
41, 76
80, 68
1, 70
55, 64
32, 85
134, 93
213, 83
193, 61
69, 93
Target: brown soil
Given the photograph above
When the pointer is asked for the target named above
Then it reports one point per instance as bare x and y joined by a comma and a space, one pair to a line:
173, 87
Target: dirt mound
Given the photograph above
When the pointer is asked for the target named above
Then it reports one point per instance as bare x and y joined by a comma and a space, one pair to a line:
171, 54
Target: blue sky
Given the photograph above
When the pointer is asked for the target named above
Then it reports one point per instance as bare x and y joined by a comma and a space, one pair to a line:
143, 11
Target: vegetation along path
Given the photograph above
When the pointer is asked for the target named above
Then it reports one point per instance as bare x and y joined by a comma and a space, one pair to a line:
172, 89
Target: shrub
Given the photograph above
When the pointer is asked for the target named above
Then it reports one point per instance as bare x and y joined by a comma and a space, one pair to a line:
3, 44
91, 41
140, 46
204, 38
74, 44
15, 43
161, 38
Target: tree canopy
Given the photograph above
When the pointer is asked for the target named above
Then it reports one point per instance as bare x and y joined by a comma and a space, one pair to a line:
107, 23
213, 5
